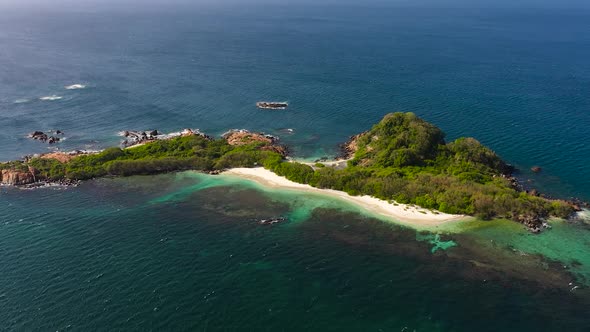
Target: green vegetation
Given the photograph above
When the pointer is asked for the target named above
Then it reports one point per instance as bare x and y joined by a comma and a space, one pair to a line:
406, 159
402, 158
181, 153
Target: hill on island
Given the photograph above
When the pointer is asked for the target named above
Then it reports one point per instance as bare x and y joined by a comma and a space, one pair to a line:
406, 159
402, 158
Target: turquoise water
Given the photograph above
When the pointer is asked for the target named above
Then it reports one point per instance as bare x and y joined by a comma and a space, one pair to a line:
185, 252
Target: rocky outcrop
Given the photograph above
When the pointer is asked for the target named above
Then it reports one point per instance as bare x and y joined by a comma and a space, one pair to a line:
43, 137
17, 177
348, 149
243, 137
280, 149
138, 137
133, 138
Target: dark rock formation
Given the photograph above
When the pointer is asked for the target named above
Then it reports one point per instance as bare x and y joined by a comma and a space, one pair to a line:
39, 135
533, 223
43, 137
138, 137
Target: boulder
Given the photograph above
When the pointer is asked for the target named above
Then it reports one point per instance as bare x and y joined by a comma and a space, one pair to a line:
39, 135
16, 177
53, 139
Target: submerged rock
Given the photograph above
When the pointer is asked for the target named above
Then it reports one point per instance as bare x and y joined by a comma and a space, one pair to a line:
271, 221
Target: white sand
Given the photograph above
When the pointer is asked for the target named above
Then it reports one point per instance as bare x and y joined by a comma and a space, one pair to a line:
403, 213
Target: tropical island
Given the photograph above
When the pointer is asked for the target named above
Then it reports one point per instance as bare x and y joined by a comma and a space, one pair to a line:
401, 160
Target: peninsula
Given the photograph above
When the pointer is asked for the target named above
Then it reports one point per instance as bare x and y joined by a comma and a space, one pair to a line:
401, 160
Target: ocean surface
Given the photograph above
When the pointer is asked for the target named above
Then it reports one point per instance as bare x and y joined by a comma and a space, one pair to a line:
185, 251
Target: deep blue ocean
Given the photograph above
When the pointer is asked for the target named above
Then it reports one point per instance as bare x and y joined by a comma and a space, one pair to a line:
183, 251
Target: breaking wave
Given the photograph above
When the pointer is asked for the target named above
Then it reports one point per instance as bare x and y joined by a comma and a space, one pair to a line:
75, 87
51, 98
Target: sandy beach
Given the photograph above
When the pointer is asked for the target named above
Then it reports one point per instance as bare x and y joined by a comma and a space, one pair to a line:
402, 213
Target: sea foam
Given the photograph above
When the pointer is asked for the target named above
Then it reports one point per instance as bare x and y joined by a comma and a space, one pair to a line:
51, 98
75, 87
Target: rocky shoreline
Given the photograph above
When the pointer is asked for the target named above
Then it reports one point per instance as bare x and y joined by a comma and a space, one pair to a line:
349, 148
27, 177
28, 180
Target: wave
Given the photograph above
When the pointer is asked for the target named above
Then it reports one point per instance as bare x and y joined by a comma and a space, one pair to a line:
51, 98
75, 87
21, 101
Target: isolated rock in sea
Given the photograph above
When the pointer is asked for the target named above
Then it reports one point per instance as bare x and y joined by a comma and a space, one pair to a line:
39, 135
53, 139
16, 177
536, 169
43, 137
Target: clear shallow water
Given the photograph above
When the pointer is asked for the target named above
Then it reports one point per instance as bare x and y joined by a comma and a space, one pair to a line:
184, 252
515, 78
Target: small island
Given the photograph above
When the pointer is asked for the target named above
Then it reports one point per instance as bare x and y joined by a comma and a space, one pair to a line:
401, 160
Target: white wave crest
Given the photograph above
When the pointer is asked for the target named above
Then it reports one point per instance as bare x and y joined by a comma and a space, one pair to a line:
75, 87
51, 98
21, 101
583, 215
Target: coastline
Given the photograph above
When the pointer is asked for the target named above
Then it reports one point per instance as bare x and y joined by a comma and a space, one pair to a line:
402, 213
